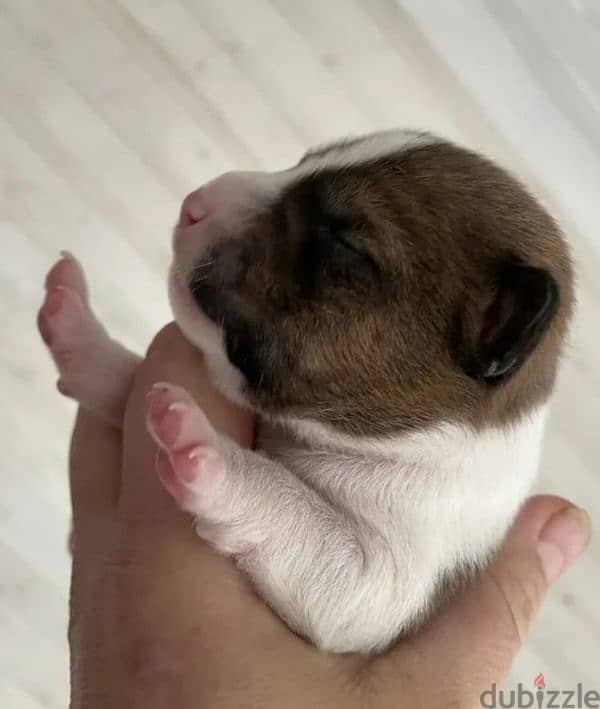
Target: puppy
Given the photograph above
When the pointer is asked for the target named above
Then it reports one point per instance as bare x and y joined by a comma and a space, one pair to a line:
392, 309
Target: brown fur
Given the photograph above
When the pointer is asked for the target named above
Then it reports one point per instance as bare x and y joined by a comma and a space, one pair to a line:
380, 342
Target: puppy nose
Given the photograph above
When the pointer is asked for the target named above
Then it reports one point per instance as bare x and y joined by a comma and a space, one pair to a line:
194, 208
226, 197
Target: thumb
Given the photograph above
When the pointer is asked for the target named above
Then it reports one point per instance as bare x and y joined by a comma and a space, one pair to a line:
547, 537
475, 638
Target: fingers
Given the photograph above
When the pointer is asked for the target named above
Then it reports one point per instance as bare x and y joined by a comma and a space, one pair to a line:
95, 476
94, 468
191, 592
475, 639
549, 534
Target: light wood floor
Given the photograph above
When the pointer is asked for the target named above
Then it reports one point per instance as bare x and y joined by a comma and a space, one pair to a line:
110, 111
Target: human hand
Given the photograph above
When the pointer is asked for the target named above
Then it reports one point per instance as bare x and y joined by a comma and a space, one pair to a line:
160, 620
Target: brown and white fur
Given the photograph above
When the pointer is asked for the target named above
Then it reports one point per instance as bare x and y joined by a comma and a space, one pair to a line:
392, 309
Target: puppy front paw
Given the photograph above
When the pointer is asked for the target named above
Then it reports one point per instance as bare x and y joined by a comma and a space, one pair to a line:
189, 464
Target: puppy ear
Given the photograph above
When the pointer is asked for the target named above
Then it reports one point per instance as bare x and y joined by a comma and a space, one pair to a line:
501, 337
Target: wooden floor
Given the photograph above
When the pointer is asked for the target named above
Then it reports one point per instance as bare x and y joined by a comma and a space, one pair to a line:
111, 110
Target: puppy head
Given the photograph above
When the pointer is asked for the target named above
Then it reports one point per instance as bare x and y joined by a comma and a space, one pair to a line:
380, 285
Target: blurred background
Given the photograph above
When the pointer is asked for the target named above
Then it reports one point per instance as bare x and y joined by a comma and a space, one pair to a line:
112, 110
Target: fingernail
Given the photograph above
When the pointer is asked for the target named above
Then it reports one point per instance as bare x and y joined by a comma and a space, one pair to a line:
562, 540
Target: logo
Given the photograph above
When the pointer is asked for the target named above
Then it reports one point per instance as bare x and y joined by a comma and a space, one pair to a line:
541, 698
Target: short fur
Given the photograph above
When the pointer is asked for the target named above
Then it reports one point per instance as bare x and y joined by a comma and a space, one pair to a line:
397, 306
383, 342
393, 310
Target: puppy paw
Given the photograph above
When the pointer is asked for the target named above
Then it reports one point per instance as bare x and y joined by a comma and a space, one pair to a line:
189, 464
67, 273
67, 325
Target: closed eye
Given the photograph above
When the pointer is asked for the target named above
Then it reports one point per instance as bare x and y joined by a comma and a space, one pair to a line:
330, 226
340, 230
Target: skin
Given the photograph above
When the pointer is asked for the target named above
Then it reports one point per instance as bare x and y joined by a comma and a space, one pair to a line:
160, 620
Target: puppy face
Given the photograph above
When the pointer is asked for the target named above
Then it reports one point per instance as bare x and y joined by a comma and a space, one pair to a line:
378, 286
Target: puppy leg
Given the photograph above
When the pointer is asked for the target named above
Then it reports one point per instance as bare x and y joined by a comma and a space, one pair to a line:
93, 369
318, 568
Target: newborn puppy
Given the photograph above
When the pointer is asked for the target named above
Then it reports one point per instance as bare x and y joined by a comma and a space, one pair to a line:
392, 309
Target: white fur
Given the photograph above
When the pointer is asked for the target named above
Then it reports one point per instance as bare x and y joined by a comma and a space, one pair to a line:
361, 150
203, 333
239, 195
404, 511
347, 537
347, 544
